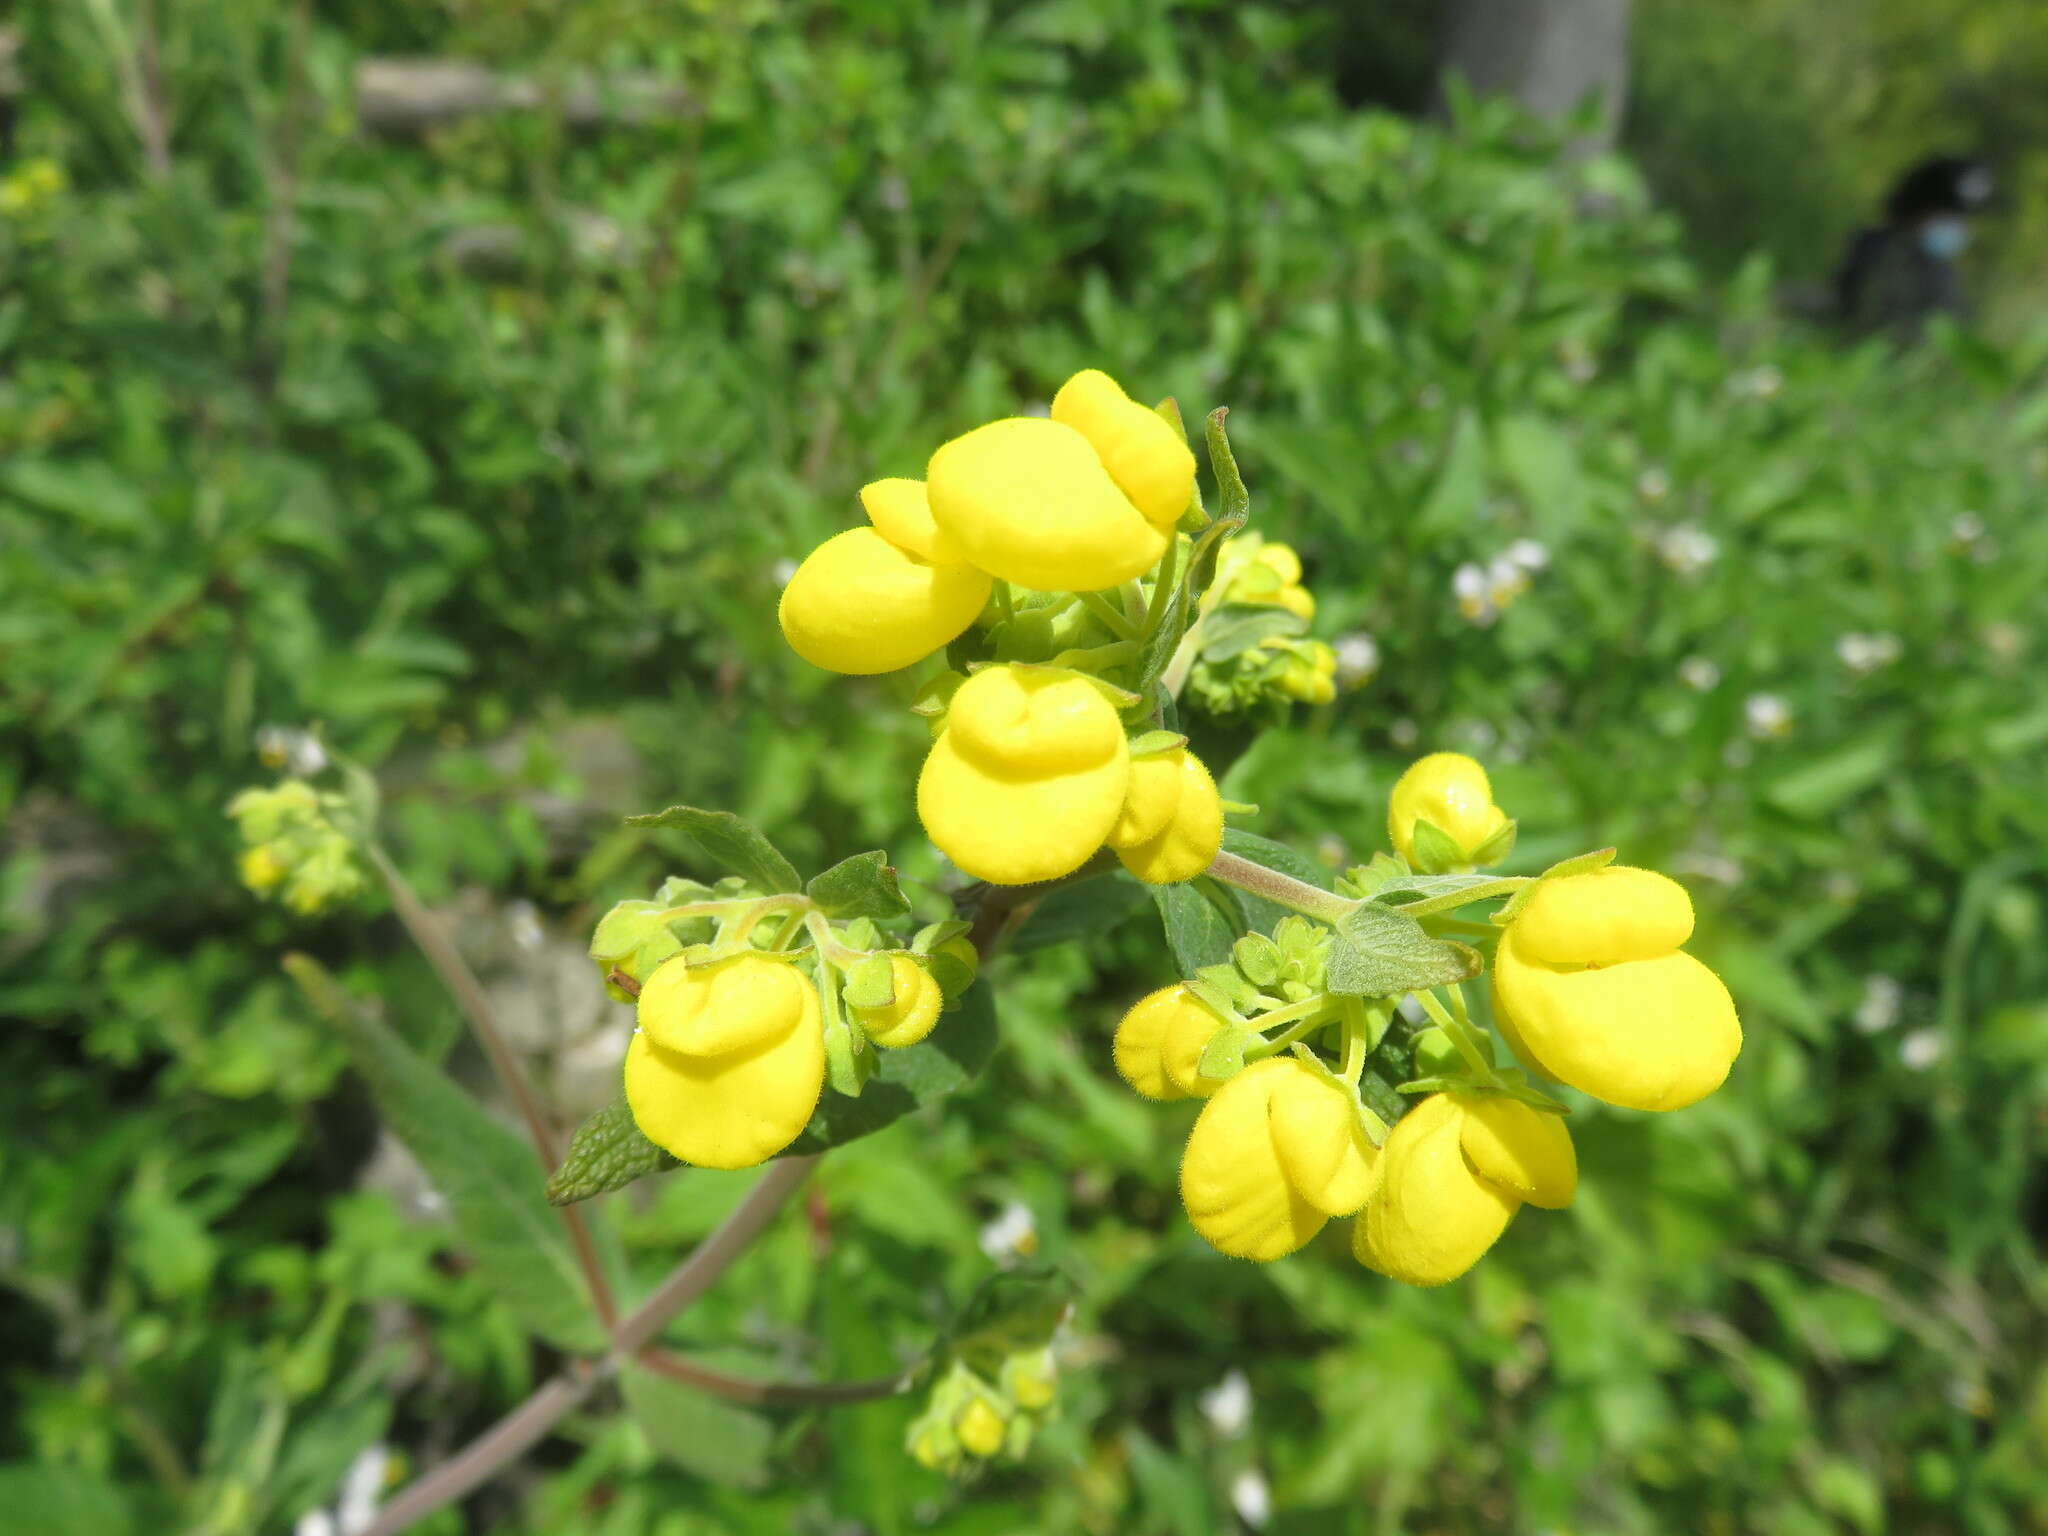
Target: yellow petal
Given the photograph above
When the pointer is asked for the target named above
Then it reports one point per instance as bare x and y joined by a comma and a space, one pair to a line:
1645, 1034
1610, 914
1322, 1149
1029, 501
981, 1428
1014, 831
1147, 458
1282, 561
732, 1110
1521, 1148
1033, 721
1449, 790
1140, 1046
902, 514
860, 605
1187, 844
1237, 1194
732, 1005
1188, 1033
915, 1010
1150, 801
1432, 1217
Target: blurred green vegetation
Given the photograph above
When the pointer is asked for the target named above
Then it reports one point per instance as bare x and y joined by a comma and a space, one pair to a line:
283, 439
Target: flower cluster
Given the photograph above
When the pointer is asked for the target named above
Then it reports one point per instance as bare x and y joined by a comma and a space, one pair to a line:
1292, 1043
738, 1034
995, 1378
1068, 570
297, 846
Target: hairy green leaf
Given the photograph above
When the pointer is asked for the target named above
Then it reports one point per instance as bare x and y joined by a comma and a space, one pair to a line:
607, 1152
1378, 952
862, 886
738, 847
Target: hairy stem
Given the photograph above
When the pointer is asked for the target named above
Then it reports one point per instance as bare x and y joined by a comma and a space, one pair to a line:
462, 984
1296, 895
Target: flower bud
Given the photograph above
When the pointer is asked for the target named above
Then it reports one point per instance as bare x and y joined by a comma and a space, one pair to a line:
909, 1017
1144, 454
859, 604
1591, 987
1159, 1044
1027, 778
1190, 837
728, 1061
981, 1429
1030, 501
1451, 792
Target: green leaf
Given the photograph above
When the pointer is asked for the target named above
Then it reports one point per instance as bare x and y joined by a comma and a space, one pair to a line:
1236, 628
486, 1172
1423, 895
862, 886
1079, 911
607, 1152
731, 844
1197, 931
61, 1501
944, 1062
1543, 465
1817, 788
1435, 850
1459, 495
718, 1441
1233, 500
1378, 952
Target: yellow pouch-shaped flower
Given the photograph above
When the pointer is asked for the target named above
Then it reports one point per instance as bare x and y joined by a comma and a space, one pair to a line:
915, 1010
858, 604
1433, 1215
1322, 1147
1159, 1044
1150, 801
1521, 1148
1183, 847
729, 1059
1028, 776
1029, 501
1449, 790
1238, 1195
1145, 456
1597, 994
902, 514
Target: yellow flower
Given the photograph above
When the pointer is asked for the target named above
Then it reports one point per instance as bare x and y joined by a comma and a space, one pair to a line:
981, 1428
1030, 501
1253, 569
1027, 778
1452, 1175
728, 1061
1179, 846
262, 870
909, 1017
1590, 986
1274, 1154
1159, 1044
1450, 791
1312, 678
1146, 457
902, 513
860, 604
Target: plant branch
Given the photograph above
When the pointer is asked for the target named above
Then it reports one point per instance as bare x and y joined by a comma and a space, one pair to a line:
1296, 895
433, 941
773, 1394
997, 911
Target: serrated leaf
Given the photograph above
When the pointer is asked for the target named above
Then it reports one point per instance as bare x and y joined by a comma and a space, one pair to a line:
732, 844
488, 1175
713, 1439
1197, 931
944, 1062
608, 1152
862, 886
1378, 952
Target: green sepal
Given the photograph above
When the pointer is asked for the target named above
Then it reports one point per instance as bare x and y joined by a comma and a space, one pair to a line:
1154, 743
731, 843
1378, 952
608, 1152
861, 886
932, 935
1442, 1082
1577, 864
1496, 848
871, 983
1231, 983
935, 695
1223, 1056
1213, 997
842, 1045
1259, 958
1435, 851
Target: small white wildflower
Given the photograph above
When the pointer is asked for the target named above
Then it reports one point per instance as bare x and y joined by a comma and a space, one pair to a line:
1769, 716
1762, 381
1687, 548
1922, 1049
524, 924
282, 746
1866, 653
1966, 528
314, 1522
1699, 674
1531, 555
1505, 581
1469, 585
1404, 733
1879, 1009
1251, 1498
1012, 1235
356, 1509
782, 570
1358, 660
1653, 484
1228, 1405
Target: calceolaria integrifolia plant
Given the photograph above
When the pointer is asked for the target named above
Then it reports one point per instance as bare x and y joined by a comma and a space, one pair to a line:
1390, 1045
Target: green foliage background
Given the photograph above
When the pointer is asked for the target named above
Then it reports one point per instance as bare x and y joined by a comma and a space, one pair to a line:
282, 439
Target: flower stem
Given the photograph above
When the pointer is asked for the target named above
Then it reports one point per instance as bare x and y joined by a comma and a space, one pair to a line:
1109, 613
1296, 895
1459, 1028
